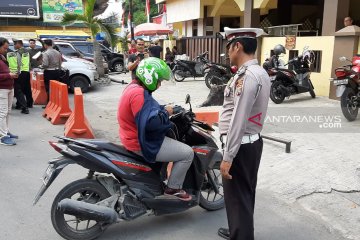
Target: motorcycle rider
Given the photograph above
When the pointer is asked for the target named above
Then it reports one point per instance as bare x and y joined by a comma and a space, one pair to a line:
144, 124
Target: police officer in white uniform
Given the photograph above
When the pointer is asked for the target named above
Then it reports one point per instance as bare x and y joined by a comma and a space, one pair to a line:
241, 121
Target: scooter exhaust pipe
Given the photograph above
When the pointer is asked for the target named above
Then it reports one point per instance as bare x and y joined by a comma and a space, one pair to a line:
88, 211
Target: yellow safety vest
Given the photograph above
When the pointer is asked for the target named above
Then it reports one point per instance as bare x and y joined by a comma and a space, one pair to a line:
13, 62
25, 62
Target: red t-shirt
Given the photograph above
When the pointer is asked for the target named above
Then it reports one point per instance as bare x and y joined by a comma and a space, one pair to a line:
130, 104
132, 50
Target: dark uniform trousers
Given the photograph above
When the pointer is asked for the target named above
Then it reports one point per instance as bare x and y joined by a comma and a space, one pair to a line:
50, 75
22, 90
240, 191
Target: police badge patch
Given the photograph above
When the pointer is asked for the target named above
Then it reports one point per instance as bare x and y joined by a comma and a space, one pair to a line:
239, 85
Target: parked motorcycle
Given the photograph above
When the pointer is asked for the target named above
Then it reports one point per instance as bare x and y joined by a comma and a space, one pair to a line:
348, 87
196, 68
122, 186
286, 82
217, 74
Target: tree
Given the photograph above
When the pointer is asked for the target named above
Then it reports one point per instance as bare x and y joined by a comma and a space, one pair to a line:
139, 15
96, 26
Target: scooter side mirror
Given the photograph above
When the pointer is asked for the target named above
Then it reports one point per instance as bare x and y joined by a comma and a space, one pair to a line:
187, 98
187, 101
342, 59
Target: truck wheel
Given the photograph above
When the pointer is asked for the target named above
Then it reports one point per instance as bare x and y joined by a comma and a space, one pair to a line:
81, 82
118, 67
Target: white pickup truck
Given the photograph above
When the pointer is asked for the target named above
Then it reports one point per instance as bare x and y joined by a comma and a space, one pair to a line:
83, 73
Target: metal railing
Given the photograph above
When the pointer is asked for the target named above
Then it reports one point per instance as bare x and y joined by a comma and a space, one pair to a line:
283, 30
193, 46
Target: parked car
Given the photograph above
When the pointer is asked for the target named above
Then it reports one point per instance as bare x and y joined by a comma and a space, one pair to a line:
68, 49
115, 60
83, 73
65, 48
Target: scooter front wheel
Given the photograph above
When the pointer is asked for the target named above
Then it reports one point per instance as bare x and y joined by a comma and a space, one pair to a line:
349, 106
72, 227
212, 192
177, 76
311, 90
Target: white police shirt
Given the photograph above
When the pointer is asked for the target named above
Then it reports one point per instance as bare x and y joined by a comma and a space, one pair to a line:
246, 98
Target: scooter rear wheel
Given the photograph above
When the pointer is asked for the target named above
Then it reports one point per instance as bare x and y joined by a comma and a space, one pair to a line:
71, 227
311, 90
177, 76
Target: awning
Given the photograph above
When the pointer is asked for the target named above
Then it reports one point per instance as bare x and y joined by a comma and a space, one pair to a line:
62, 34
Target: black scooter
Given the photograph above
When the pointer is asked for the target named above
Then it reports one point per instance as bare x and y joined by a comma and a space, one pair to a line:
286, 82
195, 68
122, 186
217, 74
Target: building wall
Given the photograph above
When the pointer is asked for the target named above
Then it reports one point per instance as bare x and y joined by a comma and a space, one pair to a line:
183, 10
325, 44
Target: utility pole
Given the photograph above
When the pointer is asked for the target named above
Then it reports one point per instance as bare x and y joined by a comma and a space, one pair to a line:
131, 20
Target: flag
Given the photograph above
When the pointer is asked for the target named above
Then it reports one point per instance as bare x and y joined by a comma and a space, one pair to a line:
164, 15
147, 10
164, 8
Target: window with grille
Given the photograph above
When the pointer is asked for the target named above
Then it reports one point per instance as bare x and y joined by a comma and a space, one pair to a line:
315, 67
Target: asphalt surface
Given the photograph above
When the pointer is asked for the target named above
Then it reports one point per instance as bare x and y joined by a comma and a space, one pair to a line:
21, 167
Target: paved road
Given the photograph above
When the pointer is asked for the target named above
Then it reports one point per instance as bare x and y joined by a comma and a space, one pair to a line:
22, 166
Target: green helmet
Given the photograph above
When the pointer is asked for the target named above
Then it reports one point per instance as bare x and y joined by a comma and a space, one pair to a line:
151, 70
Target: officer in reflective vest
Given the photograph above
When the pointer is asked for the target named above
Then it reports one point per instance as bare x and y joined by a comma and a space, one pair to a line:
13, 62
245, 105
22, 84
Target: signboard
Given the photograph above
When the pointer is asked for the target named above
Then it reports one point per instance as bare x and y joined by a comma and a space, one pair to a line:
53, 10
18, 35
19, 8
290, 42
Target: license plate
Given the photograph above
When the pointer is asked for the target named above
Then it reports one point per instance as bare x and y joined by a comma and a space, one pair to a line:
47, 175
341, 82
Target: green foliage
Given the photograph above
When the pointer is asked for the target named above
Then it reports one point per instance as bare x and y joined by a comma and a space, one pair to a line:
139, 18
139, 15
93, 23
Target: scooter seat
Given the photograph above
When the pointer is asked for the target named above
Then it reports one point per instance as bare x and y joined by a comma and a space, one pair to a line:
109, 146
188, 62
